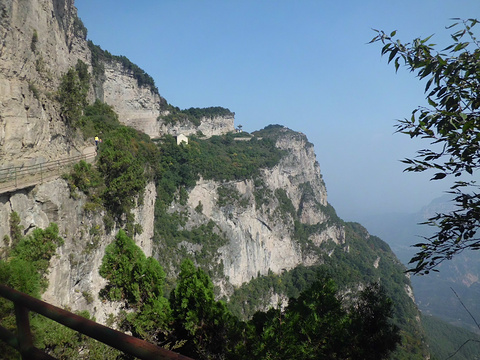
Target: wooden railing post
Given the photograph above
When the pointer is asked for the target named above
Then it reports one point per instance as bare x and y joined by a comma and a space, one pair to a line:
24, 334
24, 303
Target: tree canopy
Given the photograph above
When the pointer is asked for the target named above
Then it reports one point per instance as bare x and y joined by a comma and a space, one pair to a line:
451, 122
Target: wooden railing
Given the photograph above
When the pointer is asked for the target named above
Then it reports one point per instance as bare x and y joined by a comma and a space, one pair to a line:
19, 177
23, 340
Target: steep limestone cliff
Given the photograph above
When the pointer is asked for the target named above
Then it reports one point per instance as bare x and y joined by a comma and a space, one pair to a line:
137, 106
217, 125
268, 223
258, 217
41, 39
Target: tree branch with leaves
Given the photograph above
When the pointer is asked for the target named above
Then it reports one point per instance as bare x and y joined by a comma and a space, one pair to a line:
451, 122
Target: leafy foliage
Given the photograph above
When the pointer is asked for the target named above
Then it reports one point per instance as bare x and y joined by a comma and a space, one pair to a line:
72, 92
451, 122
16, 230
370, 324
206, 325
26, 268
33, 44
348, 267
98, 119
127, 160
66, 344
84, 177
139, 281
123, 168
316, 325
37, 249
223, 158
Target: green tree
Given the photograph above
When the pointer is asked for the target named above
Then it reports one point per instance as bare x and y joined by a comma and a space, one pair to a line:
451, 122
72, 92
370, 326
123, 165
208, 328
37, 249
99, 119
313, 326
64, 343
139, 281
319, 325
25, 270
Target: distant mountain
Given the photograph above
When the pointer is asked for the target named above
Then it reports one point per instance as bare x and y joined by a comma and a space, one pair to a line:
434, 293
446, 340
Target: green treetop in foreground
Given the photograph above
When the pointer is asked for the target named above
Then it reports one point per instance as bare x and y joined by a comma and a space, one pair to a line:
318, 324
452, 124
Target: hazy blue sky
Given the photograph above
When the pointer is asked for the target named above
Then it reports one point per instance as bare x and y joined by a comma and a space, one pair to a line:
301, 63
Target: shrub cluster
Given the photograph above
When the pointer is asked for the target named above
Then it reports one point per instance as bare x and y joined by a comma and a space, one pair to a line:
315, 325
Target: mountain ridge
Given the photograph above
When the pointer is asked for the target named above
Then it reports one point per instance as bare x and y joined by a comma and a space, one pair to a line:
240, 222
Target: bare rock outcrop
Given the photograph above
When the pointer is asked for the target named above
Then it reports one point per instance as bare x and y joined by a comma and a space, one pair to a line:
137, 106
218, 125
260, 237
41, 39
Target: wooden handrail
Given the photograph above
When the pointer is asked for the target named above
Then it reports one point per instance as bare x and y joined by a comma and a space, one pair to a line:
120, 341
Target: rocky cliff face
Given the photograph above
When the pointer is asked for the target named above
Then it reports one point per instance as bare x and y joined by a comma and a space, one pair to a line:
259, 218
136, 106
40, 41
261, 232
218, 125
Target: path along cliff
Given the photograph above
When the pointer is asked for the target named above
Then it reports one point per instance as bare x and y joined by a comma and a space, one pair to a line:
14, 178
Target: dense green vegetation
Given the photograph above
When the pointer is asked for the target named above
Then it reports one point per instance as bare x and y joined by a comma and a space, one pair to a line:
315, 325
28, 257
348, 269
72, 93
64, 343
127, 163
127, 160
222, 158
98, 119
139, 281
24, 267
